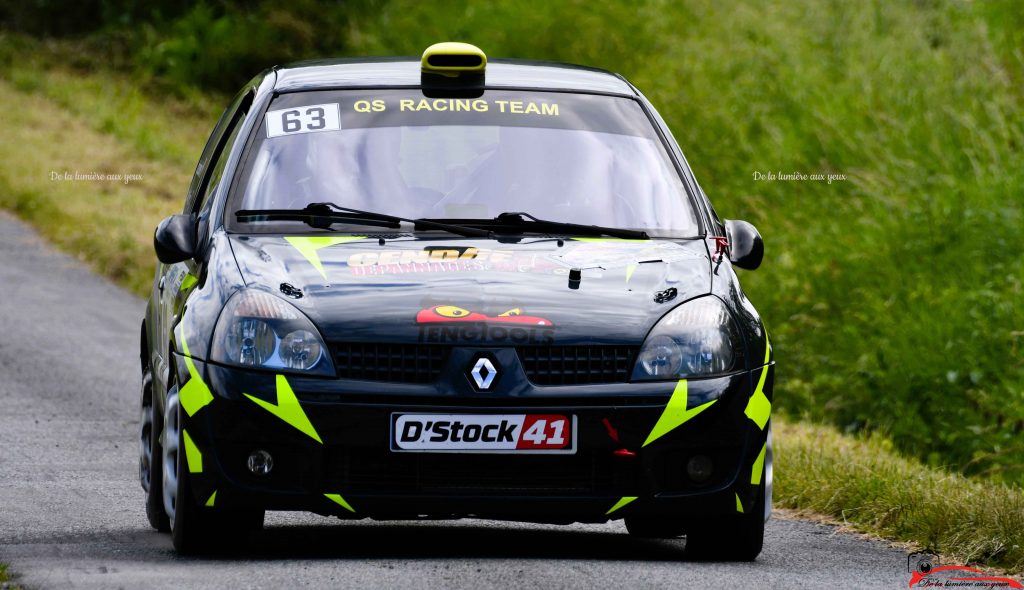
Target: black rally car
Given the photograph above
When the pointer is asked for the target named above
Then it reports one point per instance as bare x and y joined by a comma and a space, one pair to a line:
450, 288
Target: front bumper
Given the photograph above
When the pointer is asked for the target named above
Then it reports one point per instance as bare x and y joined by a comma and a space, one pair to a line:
612, 473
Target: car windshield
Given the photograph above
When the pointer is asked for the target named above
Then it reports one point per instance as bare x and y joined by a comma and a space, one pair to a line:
585, 159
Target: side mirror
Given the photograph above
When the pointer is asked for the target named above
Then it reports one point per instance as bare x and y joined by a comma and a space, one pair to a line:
745, 244
175, 239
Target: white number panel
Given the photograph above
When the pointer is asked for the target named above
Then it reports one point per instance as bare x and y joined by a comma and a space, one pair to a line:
304, 119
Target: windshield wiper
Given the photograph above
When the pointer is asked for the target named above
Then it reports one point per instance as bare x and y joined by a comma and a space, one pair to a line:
519, 218
323, 215
314, 217
524, 222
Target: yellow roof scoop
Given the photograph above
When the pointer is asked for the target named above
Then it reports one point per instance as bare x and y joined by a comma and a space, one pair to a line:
453, 59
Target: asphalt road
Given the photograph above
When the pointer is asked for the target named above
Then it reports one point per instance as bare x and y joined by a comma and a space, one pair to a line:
71, 508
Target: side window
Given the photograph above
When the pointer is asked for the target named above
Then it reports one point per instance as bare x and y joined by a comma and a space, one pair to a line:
719, 229
226, 128
202, 202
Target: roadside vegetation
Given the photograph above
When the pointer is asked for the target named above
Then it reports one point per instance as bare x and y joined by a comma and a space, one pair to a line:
863, 483
5, 579
107, 223
893, 293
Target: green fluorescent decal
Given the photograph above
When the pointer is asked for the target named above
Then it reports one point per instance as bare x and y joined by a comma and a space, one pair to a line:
187, 282
759, 409
602, 240
630, 269
193, 457
212, 500
195, 394
755, 472
676, 413
625, 500
739, 505
340, 501
309, 247
288, 409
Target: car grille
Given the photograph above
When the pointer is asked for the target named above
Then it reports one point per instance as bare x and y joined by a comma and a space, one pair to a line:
576, 365
402, 363
544, 365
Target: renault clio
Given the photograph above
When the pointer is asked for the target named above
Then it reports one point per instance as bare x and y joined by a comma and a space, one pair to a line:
449, 287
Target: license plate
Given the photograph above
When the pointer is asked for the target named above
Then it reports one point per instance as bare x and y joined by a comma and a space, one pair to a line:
483, 433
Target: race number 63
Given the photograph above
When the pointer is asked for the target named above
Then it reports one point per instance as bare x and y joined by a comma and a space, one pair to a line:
304, 119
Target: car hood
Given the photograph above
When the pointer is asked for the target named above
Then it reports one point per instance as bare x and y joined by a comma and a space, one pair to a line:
486, 292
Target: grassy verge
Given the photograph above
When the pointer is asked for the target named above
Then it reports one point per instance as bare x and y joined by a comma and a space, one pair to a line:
862, 482
108, 223
131, 108
5, 579
99, 124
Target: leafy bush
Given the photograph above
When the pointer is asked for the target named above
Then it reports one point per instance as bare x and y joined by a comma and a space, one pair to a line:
221, 49
215, 44
77, 17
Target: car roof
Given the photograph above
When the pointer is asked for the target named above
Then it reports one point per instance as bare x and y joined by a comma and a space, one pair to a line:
405, 71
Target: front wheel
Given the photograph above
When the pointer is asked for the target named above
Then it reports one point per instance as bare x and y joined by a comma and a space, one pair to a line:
197, 529
151, 457
734, 538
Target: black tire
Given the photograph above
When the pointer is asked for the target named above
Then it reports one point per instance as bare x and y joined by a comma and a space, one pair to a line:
652, 527
198, 530
202, 530
734, 538
151, 456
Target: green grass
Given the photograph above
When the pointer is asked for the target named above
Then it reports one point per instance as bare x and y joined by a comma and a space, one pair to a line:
863, 482
108, 224
6, 579
170, 129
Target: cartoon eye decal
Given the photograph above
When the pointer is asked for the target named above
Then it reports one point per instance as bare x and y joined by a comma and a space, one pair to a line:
451, 311
512, 312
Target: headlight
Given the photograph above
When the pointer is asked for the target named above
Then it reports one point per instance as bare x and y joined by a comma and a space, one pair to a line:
257, 329
696, 339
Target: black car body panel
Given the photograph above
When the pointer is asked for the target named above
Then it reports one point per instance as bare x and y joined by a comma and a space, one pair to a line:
354, 457
518, 301
392, 283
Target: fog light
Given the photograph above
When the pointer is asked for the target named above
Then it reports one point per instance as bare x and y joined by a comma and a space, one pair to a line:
699, 468
260, 462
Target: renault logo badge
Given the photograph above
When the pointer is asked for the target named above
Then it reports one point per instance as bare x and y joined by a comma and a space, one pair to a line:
483, 373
